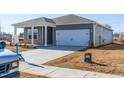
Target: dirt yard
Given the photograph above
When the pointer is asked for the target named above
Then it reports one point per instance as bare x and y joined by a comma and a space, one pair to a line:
107, 59
27, 75
13, 48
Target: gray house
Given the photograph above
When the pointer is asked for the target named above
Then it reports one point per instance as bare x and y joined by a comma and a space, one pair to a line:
69, 30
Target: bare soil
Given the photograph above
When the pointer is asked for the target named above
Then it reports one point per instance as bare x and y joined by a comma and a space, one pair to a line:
13, 48
107, 59
27, 75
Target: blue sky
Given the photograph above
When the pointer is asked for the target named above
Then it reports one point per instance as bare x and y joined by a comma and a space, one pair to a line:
115, 20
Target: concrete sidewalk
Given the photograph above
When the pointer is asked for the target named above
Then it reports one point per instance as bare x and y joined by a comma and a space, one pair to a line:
57, 72
45, 54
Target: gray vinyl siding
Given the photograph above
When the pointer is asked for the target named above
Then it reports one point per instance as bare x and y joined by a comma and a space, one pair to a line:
78, 26
74, 26
62, 27
103, 36
54, 36
25, 34
39, 33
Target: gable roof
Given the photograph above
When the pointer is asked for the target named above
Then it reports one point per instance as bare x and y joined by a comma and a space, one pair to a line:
48, 20
74, 19
71, 19
63, 20
35, 22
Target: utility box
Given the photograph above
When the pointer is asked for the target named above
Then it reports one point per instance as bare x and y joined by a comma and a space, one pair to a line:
88, 57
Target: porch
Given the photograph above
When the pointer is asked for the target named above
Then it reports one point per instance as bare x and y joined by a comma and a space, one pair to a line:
40, 29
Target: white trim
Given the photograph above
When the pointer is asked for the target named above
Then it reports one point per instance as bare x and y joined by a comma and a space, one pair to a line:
29, 30
94, 30
42, 35
32, 35
45, 36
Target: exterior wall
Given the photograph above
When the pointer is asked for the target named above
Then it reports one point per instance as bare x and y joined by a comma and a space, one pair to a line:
102, 36
59, 27
39, 41
76, 27
54, 36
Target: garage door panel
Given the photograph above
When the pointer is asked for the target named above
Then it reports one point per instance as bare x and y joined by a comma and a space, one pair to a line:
73, 37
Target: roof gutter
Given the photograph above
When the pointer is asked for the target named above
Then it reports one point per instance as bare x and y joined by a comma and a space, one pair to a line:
103, 26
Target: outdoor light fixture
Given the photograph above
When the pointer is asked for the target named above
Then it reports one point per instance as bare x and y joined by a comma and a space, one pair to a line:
88, 58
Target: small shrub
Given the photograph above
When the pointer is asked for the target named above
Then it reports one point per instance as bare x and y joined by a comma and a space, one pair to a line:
27, 46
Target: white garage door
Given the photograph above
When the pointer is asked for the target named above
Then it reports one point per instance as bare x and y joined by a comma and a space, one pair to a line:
73, 37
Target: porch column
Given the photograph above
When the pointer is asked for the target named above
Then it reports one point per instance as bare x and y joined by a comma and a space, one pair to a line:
15, 30
32, 35
45, 35
42, 35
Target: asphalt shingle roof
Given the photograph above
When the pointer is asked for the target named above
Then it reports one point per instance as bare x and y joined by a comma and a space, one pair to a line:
35, 21
71, 19
63, 20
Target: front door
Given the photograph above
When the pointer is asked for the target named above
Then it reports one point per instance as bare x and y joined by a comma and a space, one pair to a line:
50, 36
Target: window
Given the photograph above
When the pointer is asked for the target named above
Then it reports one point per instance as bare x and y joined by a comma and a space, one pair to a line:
29, 34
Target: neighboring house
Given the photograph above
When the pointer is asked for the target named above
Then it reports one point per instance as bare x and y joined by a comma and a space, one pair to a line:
69, 30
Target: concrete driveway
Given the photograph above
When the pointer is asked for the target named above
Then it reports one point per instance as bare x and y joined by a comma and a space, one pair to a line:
45, 54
